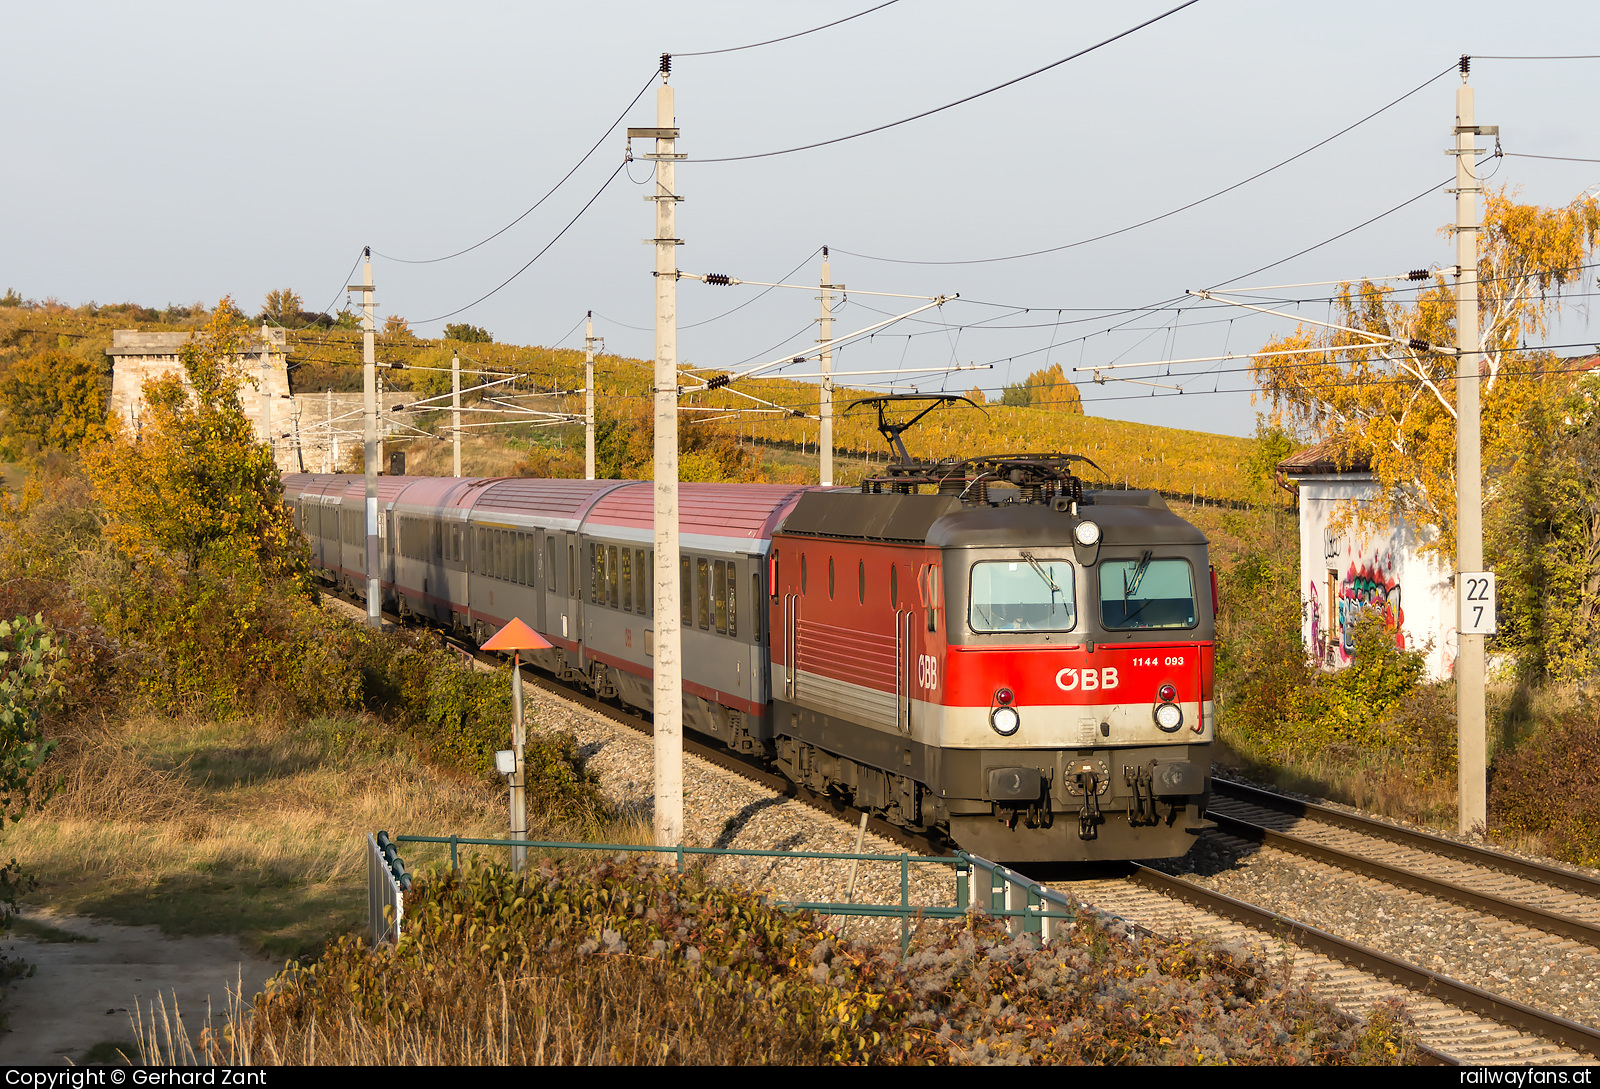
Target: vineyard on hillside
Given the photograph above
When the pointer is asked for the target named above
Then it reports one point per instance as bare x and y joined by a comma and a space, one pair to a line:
760, 411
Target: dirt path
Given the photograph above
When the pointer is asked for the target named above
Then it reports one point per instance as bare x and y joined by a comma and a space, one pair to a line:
84, 992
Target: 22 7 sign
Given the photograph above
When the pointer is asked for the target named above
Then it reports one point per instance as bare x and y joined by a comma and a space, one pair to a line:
1475, 592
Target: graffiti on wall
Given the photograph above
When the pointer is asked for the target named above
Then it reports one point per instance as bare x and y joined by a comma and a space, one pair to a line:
1359, 579
1369, 585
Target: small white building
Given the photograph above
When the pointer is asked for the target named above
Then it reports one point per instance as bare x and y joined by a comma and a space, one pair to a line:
1346, 570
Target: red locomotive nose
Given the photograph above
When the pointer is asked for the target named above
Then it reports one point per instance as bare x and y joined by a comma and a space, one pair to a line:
1003, 697
1166, 693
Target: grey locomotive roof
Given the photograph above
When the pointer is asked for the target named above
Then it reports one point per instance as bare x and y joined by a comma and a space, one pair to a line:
873, 517
943, 521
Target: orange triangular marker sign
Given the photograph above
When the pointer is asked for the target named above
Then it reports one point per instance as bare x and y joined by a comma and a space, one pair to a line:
517, 636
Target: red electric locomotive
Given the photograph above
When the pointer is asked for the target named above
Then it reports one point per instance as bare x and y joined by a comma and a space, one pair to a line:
1012, 659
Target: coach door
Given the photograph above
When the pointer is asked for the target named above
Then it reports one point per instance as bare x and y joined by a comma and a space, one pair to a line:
791, 648
905, 631
541, 572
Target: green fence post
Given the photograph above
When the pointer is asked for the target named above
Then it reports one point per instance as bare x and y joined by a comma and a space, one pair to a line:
1031, 921
962, 900
680, 859
455, 861
905, 903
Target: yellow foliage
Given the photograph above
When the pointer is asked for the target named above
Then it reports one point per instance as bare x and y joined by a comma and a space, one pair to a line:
194, 485
53, 401
1393, 405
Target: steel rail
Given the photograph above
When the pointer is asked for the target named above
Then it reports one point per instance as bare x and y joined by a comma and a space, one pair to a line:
1394, 875
1439, 845
1456, 993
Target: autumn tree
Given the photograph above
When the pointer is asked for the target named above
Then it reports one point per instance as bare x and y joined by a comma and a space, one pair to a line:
1377, 388
468, 334
282, 307
194, 486
1543, 531
396, 326
55, 400
1047, 388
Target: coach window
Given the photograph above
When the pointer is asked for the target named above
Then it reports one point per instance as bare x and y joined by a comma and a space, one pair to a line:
550, 562
755, 606
627, 579
733, 600
719, 584
640, 594
594, 572
703, 584
686, 590
611, 575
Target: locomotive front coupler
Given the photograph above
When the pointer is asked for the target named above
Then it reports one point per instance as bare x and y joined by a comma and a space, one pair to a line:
1089, 817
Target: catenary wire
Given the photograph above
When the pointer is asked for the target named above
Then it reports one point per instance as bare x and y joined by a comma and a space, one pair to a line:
329, 308
957, 102
786, 37
1557, 158
541, 200
603, 186
1175, 211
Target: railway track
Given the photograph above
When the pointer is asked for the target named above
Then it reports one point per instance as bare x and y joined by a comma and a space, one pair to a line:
1458, 1021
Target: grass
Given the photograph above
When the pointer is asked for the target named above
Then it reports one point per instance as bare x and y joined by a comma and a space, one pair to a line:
252, 828
110, 1053
43, 932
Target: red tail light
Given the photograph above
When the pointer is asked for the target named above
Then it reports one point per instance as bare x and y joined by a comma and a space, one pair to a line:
1004, 697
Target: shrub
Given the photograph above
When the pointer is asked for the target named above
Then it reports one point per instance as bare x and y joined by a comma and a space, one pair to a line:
629, 962
1549, 786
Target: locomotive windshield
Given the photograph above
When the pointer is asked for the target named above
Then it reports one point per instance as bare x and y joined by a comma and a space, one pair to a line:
1026, 594
1146, 593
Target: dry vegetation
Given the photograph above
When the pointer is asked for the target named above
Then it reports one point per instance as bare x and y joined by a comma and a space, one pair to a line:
629, 963
251, 827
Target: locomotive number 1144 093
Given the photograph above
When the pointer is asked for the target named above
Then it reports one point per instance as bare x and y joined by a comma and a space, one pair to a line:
1169, 660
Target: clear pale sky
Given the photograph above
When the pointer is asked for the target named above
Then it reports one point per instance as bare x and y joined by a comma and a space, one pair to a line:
167, 152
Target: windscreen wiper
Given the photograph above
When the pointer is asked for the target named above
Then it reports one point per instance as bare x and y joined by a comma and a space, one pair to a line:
1039, 568
1138, 576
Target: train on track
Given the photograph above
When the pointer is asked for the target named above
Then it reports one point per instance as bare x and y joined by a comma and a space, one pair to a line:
980, 648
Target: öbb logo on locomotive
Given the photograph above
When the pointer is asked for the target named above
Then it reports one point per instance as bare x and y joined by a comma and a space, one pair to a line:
1021, 664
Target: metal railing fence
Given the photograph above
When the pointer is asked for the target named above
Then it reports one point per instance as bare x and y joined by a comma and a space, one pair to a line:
387, 885
1026, 906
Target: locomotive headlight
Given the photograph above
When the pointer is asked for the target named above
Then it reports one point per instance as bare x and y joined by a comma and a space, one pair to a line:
1169, 716
1087, 533
1005, 720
